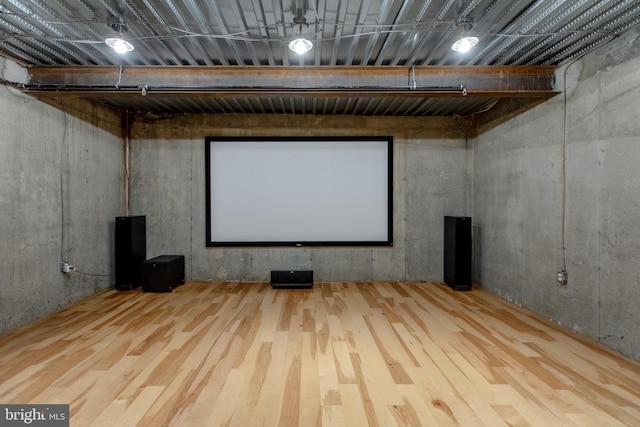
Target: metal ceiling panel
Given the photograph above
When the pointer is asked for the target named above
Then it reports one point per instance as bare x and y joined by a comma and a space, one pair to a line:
256, 33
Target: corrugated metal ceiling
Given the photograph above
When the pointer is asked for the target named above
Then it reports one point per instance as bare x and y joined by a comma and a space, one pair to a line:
251, 33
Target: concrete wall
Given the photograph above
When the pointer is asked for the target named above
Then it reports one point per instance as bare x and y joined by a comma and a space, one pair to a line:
517, 188
53, 166
168, 186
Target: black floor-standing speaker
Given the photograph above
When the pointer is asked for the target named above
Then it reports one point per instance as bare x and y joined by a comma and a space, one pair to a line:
457, 252
131, 251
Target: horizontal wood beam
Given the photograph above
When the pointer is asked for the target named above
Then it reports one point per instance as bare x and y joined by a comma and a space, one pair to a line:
434, 81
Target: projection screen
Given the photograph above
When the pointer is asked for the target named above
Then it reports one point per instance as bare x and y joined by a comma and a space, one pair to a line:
284, 191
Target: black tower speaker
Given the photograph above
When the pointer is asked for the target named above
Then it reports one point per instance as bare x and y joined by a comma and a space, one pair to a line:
131, 251
457, 252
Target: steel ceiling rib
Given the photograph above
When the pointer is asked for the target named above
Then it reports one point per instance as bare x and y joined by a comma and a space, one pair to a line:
241, 22
283, 108
378, 106
170, 31
278, 15
368, 29
267, 106
19, 53
196, 105
145, 59
402, 106
359, 26
444, 42
204, 28
483, 14
192, 40
172, 44
357, 107
505, 18
444, 45
225, 30
337, 29
35, 44
423, 108
71, 27
398, 106
506, 27
12, 45
385, 8
469, 8
626, 20
86, 31
217, 105
207, 28
184, 105
82, 3
261, 105
371, 104
408, 105
524, 27
427, 38
541, 49
312, 33
555, 24
412, 31
584, 43
263, 29
35, 40
388, 41
336, 105
580, 48
171, 104
433, 107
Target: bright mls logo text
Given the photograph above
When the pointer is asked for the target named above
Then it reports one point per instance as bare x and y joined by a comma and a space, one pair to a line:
39, 415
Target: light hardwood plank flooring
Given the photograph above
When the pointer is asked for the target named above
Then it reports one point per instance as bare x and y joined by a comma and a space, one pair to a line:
340, 354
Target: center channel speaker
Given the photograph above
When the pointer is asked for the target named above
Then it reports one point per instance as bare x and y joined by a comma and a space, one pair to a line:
457, 252
291, 279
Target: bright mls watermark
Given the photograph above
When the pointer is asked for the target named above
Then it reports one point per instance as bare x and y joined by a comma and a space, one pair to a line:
34, 415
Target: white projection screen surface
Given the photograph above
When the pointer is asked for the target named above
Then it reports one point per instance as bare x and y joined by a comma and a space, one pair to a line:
299, 191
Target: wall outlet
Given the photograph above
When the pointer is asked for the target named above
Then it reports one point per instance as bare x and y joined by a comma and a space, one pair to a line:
563, 276
65, 267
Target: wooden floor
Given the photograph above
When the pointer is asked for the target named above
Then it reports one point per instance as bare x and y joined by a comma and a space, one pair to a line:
340, 354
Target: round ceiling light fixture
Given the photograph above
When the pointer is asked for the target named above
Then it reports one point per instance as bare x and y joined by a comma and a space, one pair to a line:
119, 45
300, 46
465, 44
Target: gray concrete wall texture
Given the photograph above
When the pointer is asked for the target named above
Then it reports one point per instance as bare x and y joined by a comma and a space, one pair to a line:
55, 165
430, 168
517, 193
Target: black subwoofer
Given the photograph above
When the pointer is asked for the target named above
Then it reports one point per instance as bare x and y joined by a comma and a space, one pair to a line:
162, 273
131, 251
457, 252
